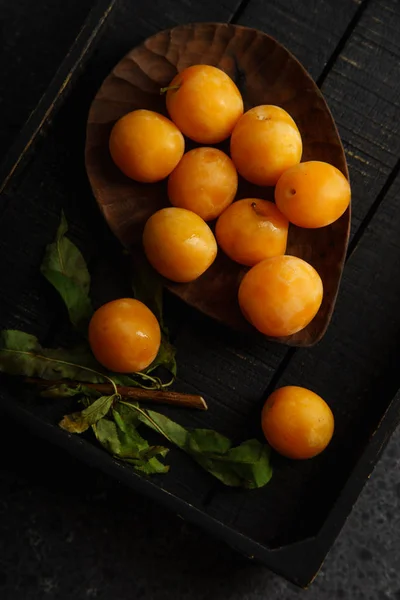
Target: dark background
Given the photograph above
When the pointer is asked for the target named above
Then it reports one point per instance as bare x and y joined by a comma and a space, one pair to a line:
69, 532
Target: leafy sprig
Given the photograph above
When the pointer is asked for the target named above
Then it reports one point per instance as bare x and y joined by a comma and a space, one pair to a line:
115, 420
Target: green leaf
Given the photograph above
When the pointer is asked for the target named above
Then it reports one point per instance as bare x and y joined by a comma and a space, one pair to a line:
208, 441
247, 465
64, 267
174, 432
106, 432
133, 380
148, 467
252, 463
79, 422
61, 391
148, 288
133, 443
121, 438
64, 390
21, 354
75, 299
165, 357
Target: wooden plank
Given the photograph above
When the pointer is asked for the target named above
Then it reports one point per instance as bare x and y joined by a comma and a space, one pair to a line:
311, 30
127, 28
230, 384
26, 74
260, 360
355, 367
361, 89
370, 133
54, 94
46, 185
62, 183
363, 93
364, 96
244, 380
132, 23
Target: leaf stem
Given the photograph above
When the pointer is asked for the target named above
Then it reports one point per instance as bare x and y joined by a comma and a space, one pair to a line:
148, 418
155, 380
256, 209
58, 240
64, 362
169, 87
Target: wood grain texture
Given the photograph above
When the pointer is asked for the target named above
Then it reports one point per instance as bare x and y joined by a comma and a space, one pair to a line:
30, 209
362, 91
266, 73
55, 178
355, 370
55, 92
311, 30
21, 28
241, 368
355, 367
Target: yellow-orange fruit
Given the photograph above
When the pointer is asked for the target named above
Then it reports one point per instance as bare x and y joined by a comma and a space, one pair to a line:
252, 229
146, 146
280, 295
264, 143
179, 244
204, 103
312, 194
296, 422
205, 181
124, 335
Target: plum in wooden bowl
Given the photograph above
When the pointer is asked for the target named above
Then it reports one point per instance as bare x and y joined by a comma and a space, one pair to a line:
266, 74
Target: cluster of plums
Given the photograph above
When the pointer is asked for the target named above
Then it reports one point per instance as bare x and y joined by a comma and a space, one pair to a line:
279, 294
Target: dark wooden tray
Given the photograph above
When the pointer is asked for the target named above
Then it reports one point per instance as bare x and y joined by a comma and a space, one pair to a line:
291, 523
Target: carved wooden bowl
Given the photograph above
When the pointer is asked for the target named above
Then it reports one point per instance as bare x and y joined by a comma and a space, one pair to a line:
266, 73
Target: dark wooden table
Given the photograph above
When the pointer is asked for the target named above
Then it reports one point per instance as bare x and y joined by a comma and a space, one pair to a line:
68, 531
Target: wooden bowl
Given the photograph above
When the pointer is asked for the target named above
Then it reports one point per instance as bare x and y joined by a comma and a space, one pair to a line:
266, 73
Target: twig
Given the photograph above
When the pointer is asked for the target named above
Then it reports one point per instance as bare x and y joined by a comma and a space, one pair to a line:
155, 396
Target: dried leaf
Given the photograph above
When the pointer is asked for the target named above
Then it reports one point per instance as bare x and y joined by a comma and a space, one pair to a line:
79, 422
